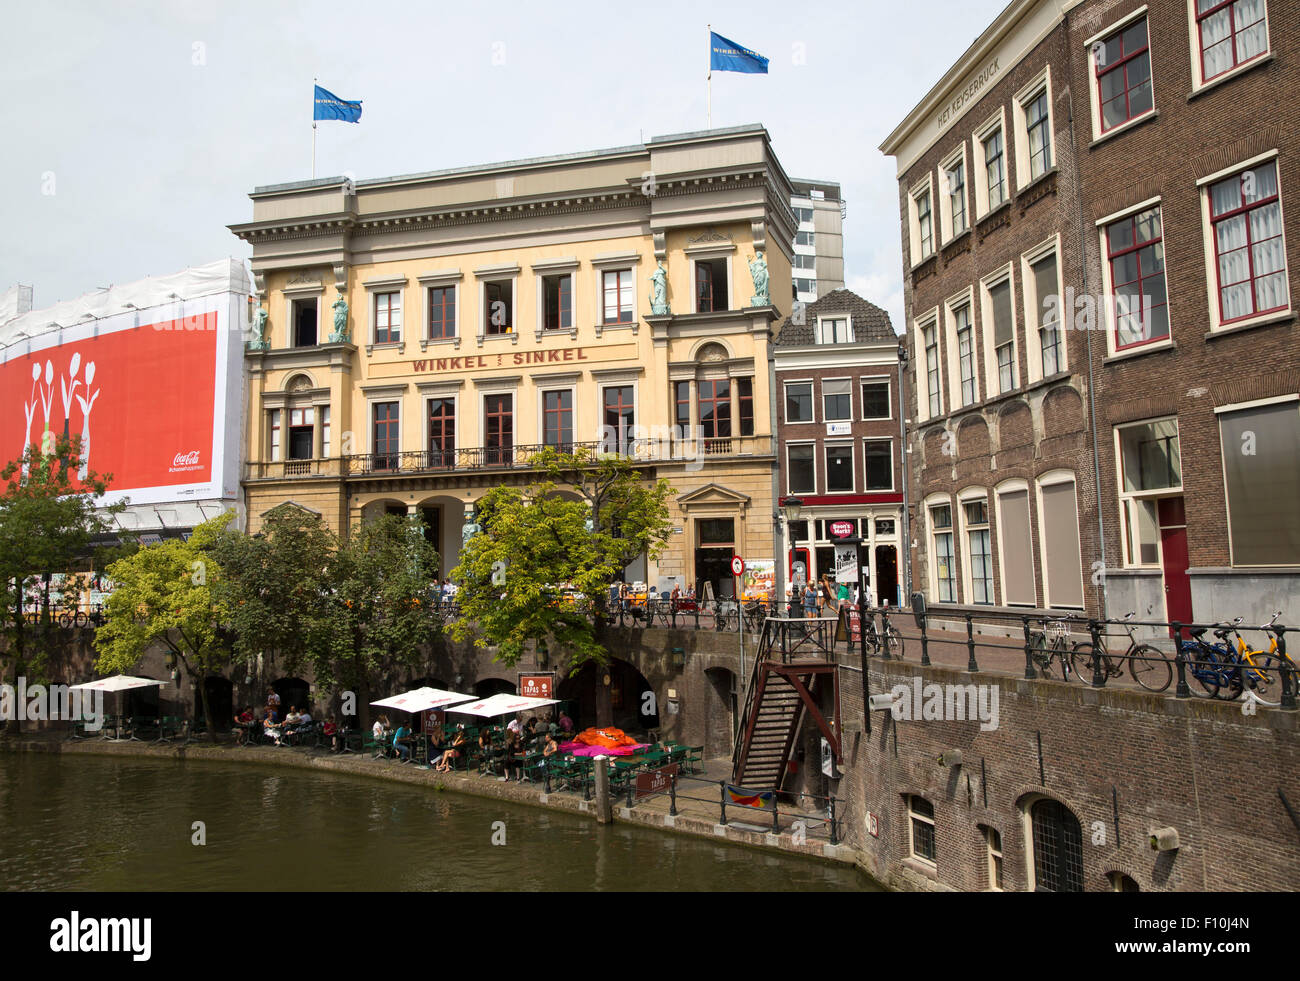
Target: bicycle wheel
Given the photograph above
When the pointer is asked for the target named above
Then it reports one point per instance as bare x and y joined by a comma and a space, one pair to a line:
895, 642
1263, 674
1150, 668
1081, 662
1042, 659
1203, 667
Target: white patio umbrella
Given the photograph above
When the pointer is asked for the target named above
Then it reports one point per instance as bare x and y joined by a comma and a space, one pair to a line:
117, 683
422, 700
502, 704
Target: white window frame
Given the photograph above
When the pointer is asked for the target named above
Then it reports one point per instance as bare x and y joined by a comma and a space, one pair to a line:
1107, 315
945, 192
1012, 486
1020, 122
930, 503
375, 287
695, 257
785, 406
1094, 94
1227, 501
1126, 499
887, 381
1029, 288
992, 378
1199, 82
965, 496
821, 331
789, 472
1051, 478
919, 326
923, 186
825, 417
275, 431
1211, 253
853, 464
628, 262
292, 297
990, 853
913, 816
893, 476
996, 122
966, 298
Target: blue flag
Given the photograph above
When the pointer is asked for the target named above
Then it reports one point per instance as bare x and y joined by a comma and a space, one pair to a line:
330, 106
728, 56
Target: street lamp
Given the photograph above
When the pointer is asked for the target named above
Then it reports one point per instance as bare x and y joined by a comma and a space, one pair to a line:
793, 507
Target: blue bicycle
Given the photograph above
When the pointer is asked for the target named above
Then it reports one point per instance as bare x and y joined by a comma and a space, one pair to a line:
1211, 666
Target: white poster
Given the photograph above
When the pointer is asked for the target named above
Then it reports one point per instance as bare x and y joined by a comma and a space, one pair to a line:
846, 564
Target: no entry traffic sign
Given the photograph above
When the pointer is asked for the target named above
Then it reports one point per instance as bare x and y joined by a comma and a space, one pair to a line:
737, 565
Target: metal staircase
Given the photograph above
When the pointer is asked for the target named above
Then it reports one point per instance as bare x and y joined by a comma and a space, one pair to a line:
792, 655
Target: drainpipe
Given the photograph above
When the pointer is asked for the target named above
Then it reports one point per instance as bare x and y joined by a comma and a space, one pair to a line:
778, 582
905, 541
1092, 385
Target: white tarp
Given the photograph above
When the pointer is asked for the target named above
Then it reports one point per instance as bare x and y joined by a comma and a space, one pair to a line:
502, 704
422, 700
119, 682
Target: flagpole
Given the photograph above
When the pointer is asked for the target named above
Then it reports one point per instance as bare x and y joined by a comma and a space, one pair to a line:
313, 127
710, 78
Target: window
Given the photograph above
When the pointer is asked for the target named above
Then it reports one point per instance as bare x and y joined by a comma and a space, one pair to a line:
557, 419
880, 464
1246, 214
885, 527
932, 368
388, 318
682, 405
710, 286
302, 433
798, 402
1039, 128
442, 432
745, 400
1123, 67
498, 430
304, 322
325, 431
924, 219
921, 218
834, 330
837, 400
617, 290
993, 851
839, 469
803, 238
995, 168
498, 307
1231, 33
1049, 315
620, 417
557, 297
920, 822
386, 443
715, 408
442, 312
955, 175
1261, 469
1150, 466
945, 574
966, 355
979, 554
1119, 882
875, 400
805, 286
802, 261
1135, 256
275, 435
801, 468
1015, 546
803, 215
1004, 334
1058, 847
1059, 517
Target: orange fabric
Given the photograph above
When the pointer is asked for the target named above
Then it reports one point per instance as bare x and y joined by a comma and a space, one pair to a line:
609, 737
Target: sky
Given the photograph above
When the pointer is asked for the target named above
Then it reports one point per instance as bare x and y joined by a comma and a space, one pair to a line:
133, 132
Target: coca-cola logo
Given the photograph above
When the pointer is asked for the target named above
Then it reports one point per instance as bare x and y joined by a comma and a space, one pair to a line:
189, 459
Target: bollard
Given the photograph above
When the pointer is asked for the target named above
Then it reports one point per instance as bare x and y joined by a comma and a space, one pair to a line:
631, 783
672, 796
884, 633
604, 810
1030, 672
1181, 659
835, 840
546, 777
776, 817
1098, 679
971, 663
925, 646
722, 788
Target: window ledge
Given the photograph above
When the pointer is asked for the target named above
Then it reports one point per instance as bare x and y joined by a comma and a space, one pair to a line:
949, 243
922, 867
455, 341
1229, 75
633, 326
398, 346
1246, 570
572, 332
1268, 320
1046, 175
513, 337
1123, 128
1138, 352
1049, 380
1005, 203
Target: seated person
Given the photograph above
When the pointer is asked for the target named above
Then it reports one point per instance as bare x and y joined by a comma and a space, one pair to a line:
452, 752
304, 717
530, 732
331, 728
551, 747
243, 725
271, 725
513, 749
402, 741
566, 724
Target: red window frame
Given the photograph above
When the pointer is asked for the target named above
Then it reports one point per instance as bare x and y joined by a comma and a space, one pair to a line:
682, 403
745, 400
387, 444
442, 312
557, 422
1121, 64
559, 305
499, 428
622, 292
620, 415
715, 421
385, 331
499, 292
1249, 247
442, 432
1112, 255
1233, 31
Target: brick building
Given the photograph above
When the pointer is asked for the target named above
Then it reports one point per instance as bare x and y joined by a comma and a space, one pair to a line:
840, 442
1073, 157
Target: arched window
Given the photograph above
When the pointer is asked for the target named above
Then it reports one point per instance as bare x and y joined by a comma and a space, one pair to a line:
1119, 882
920, 822
1058, 847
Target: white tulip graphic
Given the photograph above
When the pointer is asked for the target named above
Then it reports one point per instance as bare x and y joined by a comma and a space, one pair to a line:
86, 406
30, 409
69, 391
47, 398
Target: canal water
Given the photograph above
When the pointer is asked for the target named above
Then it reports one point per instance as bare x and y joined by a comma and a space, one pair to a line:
101, 824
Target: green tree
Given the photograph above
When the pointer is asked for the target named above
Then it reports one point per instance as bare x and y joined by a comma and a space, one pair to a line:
534, 539
378, 614
166, 594
48, 516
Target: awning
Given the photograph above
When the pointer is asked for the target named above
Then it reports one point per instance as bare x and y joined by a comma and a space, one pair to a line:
422, 699
503, 704
119, 682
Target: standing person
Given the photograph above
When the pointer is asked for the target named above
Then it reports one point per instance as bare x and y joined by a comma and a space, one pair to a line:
810, 601
437, 593
273, 700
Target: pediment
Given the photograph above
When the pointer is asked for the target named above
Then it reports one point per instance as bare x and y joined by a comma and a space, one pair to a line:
290, 504
713, 495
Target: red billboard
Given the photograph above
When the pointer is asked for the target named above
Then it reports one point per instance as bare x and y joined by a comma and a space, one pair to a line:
537, 685
141, 399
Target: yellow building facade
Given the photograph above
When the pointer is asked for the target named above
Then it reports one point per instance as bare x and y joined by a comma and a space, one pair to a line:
422, 337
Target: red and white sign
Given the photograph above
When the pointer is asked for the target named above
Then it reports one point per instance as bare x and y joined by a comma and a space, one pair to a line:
536, 685
737, 566
140, 399
843, 529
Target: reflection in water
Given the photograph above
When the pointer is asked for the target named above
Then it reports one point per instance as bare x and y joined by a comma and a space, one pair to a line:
77, 823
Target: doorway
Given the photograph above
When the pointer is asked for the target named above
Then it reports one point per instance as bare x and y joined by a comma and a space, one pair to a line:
1173, 557
886, 575
715, 540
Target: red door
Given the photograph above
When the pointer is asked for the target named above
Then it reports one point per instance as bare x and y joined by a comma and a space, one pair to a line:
1173, 550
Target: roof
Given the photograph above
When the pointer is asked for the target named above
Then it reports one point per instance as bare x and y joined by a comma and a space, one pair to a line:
870, 322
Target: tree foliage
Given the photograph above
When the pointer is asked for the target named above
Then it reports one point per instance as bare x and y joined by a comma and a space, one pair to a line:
535, 540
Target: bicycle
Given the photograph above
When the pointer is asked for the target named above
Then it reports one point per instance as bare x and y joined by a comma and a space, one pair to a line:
1147, 665
726, 617
1259, 669
1207, 662
1043, 649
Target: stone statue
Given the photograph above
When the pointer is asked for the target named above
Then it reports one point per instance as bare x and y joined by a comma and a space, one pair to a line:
340, 334
758, 270
468, 531
659, 294
259, 342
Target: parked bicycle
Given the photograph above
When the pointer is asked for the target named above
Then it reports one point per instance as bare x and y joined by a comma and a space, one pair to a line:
1148, 665
1258, 671
1053, 643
